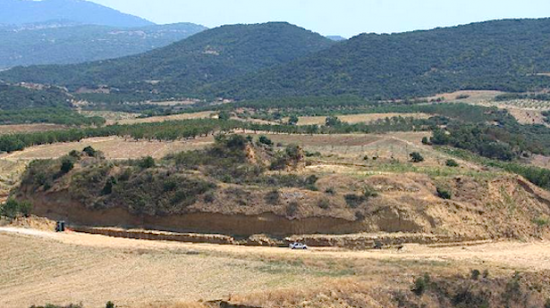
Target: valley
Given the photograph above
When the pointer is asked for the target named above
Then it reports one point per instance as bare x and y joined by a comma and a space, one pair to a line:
409, 169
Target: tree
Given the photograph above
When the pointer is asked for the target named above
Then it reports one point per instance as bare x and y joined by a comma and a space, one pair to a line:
332, 121
293, 120
416, 157
224, 115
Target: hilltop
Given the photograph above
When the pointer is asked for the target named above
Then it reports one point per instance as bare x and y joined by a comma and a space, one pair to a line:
66, 42
505, 55
19, 12
185, 67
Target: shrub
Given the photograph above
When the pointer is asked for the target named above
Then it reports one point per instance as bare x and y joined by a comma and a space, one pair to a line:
354, 201
486, 274
292, 208
110, 305
147, 162
416, 157
443, 193
451, 163
91, 152
324, 204
359, 216
426, 141
420, 286
67, 165
265, 140
272, 197
547, 304
13, 208
475, 274
330, 191
108, 188
75, 154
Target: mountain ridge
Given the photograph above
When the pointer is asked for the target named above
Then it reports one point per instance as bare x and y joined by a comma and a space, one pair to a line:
28, 11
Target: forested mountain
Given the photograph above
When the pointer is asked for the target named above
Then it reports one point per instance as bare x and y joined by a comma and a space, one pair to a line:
281, 60
504, 55
17, 12
185, 67
65, 42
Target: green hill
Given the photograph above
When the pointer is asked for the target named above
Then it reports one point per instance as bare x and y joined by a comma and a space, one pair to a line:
184, 67
499, 55
63, 42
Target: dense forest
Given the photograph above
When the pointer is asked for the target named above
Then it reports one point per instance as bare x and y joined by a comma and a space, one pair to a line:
19, 105
281, 60
184, 67
503, 55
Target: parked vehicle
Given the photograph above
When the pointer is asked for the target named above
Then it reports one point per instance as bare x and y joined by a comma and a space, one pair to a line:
298, 246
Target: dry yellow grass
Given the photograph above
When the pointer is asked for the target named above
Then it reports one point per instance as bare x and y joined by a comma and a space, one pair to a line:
112, 147
39, 267
361, 118
183, 116
28, 128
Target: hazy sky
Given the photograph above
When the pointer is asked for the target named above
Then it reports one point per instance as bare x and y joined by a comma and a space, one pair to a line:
334, 17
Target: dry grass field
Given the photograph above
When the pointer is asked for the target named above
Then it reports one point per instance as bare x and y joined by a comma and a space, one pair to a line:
112, 147
360, 118
28, 128
40, 267
183, 116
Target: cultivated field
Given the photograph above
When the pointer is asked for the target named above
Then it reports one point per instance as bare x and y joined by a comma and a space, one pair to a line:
28, 128
39, 267
361, 118
183, 116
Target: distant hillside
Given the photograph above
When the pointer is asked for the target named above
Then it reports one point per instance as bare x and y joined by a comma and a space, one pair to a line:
498, 55
62, 42
18, 12
187, 66
336, 38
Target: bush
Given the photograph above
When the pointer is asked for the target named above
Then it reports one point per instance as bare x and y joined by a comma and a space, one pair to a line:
272, 197
292, 209
547, 304
67, 165
91, 152
324, 204
486, 274
416, 157
108, 188
147, 162
330, 191
110, 305
443, 193
451, 163
420, 286
426, 141
265, 140
354, 201
476, 274
13, 208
